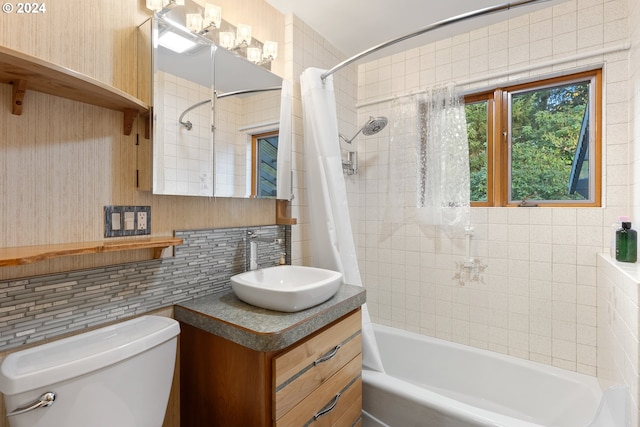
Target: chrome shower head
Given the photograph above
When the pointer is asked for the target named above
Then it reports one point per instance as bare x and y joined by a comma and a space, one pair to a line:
374, 125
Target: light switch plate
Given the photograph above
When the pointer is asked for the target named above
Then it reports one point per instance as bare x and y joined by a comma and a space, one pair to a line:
115, 221
127, 221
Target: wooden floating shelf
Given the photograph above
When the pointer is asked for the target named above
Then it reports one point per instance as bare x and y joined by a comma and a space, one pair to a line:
281, 213
26, 73
30, 254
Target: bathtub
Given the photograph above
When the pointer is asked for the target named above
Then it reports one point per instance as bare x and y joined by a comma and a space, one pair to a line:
436, 383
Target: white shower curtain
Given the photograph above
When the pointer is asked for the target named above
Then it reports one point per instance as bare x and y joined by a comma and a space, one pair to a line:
332, 244
429, 162
283, 181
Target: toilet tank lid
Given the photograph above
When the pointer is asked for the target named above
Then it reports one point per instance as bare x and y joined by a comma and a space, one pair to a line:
70, 357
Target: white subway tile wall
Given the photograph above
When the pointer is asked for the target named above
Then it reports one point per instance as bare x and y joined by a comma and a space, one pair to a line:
306, 48
617, 327
184, 150
608, 341
537, 298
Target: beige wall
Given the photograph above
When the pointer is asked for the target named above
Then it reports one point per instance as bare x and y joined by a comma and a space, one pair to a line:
61, 161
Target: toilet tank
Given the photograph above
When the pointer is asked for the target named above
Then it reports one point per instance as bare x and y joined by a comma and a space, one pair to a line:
118, 375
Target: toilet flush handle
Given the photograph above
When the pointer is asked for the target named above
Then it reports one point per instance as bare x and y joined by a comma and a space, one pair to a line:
45, 400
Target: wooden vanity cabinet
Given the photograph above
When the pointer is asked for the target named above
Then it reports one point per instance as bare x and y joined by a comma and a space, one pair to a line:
314, 382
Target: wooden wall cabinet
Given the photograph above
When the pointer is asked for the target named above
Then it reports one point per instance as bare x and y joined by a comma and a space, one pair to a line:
314, 382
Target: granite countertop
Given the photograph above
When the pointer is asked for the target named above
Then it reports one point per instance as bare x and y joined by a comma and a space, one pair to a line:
224, 315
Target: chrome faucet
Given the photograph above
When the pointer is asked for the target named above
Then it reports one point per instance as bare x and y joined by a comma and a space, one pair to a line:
253, 247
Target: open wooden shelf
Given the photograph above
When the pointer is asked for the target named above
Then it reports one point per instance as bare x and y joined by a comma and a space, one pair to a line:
281, 213
26, 73
29, 254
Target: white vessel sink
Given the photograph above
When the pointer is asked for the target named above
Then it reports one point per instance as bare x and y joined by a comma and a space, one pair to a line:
287, 287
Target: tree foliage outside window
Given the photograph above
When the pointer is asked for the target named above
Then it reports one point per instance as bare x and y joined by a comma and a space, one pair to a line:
545, 133
477, 132
537, 142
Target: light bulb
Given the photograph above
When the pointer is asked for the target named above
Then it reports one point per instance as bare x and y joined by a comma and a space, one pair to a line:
243, 34
227, 40
194, 22
254, 54
155, 5
270, 50
212, 15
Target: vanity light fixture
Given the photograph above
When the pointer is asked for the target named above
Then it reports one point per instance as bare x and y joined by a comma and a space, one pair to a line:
196, 22
242, 38
268, 53
211, 20
238, 39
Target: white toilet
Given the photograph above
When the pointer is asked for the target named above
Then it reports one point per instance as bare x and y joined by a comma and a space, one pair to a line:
119, 375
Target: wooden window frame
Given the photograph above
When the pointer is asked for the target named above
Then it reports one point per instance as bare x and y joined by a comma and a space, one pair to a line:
254, 159
498, 140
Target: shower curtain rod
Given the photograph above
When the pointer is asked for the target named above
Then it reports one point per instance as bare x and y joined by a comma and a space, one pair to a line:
244, 91
189, 125
428, 28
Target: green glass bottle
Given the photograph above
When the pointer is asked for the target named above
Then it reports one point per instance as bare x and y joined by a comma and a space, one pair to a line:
626, 243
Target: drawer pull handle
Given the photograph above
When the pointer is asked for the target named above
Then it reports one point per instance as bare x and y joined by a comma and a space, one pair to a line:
42, 402
330, 355
330, 407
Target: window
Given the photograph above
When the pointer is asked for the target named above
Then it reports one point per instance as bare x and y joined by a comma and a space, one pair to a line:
265, 164
537, 143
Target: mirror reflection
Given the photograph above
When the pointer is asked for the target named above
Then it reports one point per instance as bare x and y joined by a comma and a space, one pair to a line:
215, 114
246, 140
183, 75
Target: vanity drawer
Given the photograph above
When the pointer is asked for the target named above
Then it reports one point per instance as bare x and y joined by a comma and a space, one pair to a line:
337, 402
307, 366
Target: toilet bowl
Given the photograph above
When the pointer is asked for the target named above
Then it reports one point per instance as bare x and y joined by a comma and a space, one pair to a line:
119, 375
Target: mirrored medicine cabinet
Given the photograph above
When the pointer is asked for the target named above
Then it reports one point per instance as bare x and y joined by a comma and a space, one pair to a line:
215, 115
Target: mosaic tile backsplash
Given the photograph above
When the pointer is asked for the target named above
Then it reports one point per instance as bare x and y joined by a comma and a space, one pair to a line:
38, 308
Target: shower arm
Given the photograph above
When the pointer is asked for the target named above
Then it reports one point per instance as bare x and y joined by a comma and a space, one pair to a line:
349, 141
189, 125
428, 28
350, 166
